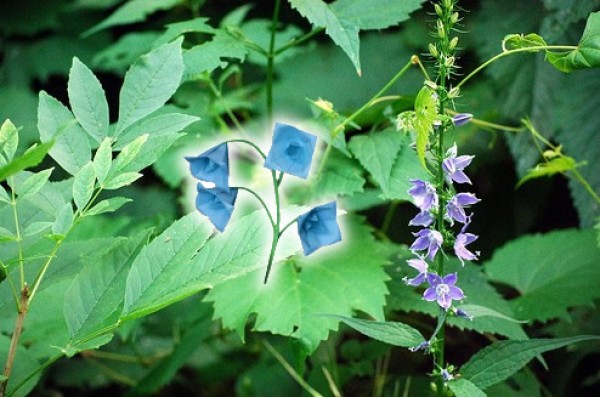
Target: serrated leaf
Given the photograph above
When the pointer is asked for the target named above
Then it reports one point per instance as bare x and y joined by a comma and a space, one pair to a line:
553, 166
180, 262
83, 186
32, 157
131, 12
344, 19
88, 101
340, 176
119, 56
463, 388
336, 280
71, 149
33, 183
149, 83
546, 270
516, 41
587, 53
9, 139
482, 311
170, 122
95, 296
109, 205
174, 30
124, 179
406, 167
103, 160
377, 152
206, 57
498, 361
390, 332
64, 220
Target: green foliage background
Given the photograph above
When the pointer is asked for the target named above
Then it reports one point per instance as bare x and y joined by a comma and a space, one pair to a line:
184, 310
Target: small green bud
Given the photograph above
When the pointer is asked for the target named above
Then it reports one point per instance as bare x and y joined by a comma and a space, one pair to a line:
440, 29
433, 50
448, 4
431, 85
438, 10
453, 43
454, 18
449, 62
453, 93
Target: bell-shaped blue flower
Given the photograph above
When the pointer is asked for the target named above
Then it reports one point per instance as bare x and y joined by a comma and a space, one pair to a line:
212, 165
318, 227
292, 151
216, 203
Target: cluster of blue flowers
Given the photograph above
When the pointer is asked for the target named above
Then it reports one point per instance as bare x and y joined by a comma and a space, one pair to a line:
291, 153
430, 241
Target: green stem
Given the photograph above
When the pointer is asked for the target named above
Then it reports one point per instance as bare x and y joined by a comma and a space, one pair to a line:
13, 203
389, 216
271, 59
585, 184
228, 110
276, 225
511, 52
262, 154
299, 40
262, 202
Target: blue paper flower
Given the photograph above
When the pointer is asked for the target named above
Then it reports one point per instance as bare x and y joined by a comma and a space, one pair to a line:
212, 165
216, 203
318, 227
292, 151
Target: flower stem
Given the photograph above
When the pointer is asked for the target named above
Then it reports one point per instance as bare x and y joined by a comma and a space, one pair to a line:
276, 226
270, 60
262, 202
262, 154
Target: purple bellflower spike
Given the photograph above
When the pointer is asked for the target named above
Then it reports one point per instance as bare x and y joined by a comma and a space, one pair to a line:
420, 265
460, 250
423, 218
427, 239
443, 290
319, 227
455, 209
216, 203
453, 166
292, 151
423, 194
212, 165
461, 119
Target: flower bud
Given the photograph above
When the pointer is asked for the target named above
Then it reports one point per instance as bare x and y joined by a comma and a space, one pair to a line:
454, 18
433, 50
449, 62
454, 93
438, 10
440, 29
431, 85
461, 119
453, 43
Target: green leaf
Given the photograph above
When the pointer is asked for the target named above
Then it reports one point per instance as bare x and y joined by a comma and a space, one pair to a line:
344, 19
516, 41
463, 388
95, 297
340, 176
392, 333
124, 179
83, 186
88, 101
33, 183
546, 270
425, 116
206, 57
4, 195
103, 160
551, 167
153, 125
109, 205
406, 167
500, 360
64, 220
336, 280
71, 149
6, 235
32, 157
149, 83
119, 56
587, 53
180, 262
482, 311
131, 12
174, 30
9, 139
377, 152
23, 366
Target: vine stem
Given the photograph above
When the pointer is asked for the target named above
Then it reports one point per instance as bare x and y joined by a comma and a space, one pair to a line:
511, 52
271, 59
340, 127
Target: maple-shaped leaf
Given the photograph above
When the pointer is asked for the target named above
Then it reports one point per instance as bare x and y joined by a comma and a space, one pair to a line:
336, 280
